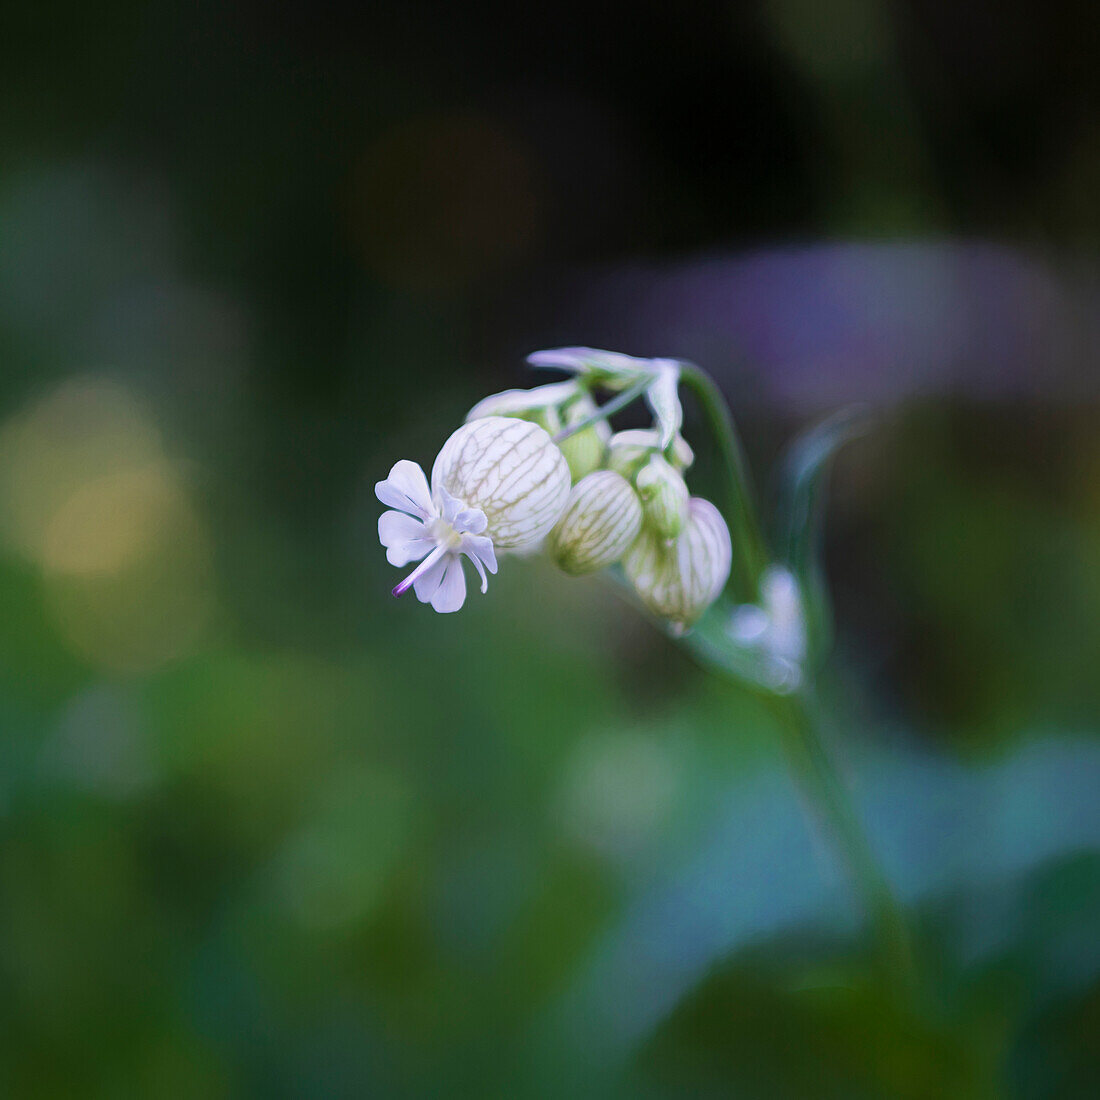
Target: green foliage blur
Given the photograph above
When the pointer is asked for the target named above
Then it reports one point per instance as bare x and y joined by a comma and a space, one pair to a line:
266, 832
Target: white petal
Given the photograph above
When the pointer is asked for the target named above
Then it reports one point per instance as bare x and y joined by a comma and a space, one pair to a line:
612, 368
426, 585
406, 489
471, 521
480, 547
449, 505
480, 572
451, 593
395, 527
401, 553
406, 538
663, 399
480, 551
519, 402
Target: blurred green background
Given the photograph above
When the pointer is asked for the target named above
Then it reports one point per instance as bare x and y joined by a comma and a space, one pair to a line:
266, 832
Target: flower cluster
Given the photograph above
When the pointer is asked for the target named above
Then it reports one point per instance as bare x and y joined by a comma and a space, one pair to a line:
541, 468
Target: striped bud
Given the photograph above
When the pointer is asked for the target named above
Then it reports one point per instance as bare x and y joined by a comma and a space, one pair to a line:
629, 450
584, 450
679, 580
664, 497
600, 522
512, 471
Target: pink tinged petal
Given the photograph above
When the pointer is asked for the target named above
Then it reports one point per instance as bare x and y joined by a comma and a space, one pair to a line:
451, 593
406, 489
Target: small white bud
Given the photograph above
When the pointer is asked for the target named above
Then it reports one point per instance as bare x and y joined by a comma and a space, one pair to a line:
664, 496
679, 579
601, 520
511, 470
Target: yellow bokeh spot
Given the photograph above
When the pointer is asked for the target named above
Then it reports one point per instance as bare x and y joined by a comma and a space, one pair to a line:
88, 494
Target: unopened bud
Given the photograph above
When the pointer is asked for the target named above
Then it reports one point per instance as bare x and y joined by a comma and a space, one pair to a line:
629, 450
664, 497
679, 580
601, 520
584, 450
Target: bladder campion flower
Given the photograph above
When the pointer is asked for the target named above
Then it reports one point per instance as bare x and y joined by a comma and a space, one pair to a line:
497, 484
503, 482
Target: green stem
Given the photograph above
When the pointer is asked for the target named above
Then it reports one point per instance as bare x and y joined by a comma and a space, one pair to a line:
748, 543
799, 714
608, 409
825, 790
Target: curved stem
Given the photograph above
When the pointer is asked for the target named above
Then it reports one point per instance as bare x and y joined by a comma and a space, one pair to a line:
798, 714
817, 774
828, 798
748, 542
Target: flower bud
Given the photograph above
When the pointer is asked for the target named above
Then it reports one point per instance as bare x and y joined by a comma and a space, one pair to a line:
511, 471
519, 403
600, 522
664, 496
679, 580
584, 450
628, 451
539, 405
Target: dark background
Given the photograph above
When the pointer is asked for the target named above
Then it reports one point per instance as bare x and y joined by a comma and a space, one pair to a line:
264, 832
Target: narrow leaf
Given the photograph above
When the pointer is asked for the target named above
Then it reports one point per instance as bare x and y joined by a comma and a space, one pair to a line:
801, 510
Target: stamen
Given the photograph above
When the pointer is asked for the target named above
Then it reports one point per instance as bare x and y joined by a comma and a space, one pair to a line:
419, 571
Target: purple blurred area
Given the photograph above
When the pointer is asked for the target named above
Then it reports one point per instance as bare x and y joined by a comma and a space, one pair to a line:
806, 328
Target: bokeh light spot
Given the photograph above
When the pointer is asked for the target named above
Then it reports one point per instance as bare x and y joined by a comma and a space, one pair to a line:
89, 495
618, 790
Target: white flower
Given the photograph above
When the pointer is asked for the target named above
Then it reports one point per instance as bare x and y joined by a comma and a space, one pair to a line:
497, 483
616, 371
438, 530
775, 628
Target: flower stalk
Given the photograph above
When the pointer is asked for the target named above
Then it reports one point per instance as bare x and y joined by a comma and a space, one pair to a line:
503, 482
608, 409
749, 554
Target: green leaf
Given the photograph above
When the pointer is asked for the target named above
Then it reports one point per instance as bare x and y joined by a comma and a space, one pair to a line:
801, 510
